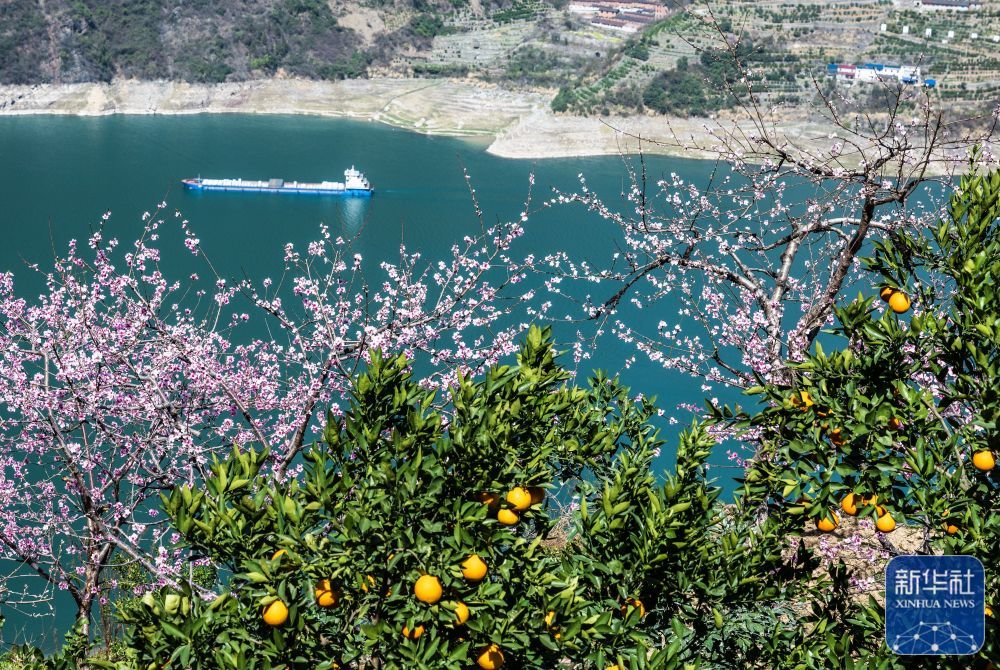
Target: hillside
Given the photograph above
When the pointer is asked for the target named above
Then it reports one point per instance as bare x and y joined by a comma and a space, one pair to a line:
592, 57
71, 41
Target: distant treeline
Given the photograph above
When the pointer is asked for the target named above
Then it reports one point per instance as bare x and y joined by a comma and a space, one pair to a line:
691, 88
198, 40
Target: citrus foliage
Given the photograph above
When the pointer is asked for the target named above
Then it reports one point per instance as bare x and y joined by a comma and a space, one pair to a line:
367, 549
388, 548
900, 425
702, 584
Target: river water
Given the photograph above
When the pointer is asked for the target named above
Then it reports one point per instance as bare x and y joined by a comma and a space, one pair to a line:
58, 175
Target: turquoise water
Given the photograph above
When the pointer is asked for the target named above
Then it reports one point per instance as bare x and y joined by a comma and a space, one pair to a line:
58, 175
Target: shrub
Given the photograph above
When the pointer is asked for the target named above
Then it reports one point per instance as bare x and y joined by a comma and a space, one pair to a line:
397, 490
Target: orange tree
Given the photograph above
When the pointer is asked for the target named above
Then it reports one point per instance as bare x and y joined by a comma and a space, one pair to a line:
665, 566
411, 538
901, 425
417, 539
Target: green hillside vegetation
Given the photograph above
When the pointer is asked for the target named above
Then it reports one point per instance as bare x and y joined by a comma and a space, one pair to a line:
672, 66
194, 40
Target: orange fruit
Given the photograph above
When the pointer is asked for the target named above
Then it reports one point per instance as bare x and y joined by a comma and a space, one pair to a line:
550, 616
984, 460
368, 581
837, 437
828, 523
413, 634
807, 401
519, 498
886, 523
507, 517
537, 494
275, 614
988, 611
886, 293
474, 568
852, 504
950, 528
324, 593
490, 658
899, 302
280, 552
461, 613
895, 423
634, 603
491, 500
427, 589
613, 667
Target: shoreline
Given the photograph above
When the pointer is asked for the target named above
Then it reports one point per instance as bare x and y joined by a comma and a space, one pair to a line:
515, 124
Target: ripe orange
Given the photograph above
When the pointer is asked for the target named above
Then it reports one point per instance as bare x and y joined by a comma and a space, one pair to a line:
550, 616
886, 523
800, 399
637, 604
490, 499
490, 658
950, 528
886, 293
850, 504
895, 423
988, 611
461, 613
413, 634
368, 581
899, 302
280, 552
324, 593
613, 667
828, 523
837, 437
984, 460
275, 614
507, 517
519, 498
427, 589
474, 568
537, 494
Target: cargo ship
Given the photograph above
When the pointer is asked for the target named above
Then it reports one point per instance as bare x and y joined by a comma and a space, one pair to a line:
354, 184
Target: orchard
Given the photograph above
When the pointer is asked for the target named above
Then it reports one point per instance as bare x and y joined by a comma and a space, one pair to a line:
404, 473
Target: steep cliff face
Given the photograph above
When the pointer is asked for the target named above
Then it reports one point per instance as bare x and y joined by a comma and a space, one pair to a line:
66, 41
